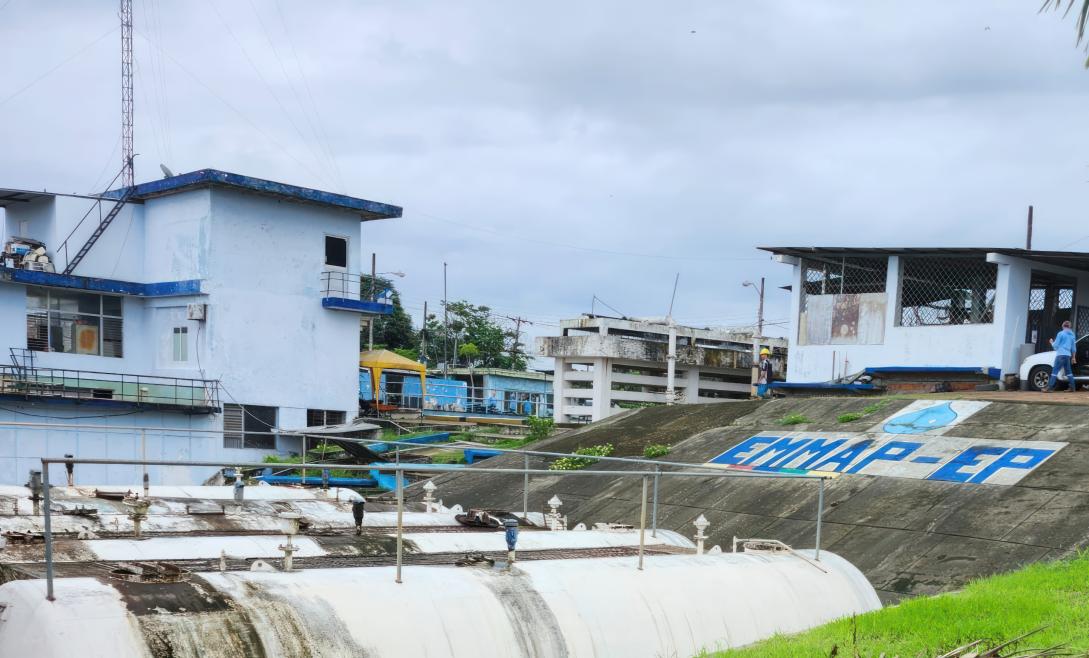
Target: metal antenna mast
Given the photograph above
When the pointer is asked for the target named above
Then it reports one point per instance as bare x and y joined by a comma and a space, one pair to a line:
126, 93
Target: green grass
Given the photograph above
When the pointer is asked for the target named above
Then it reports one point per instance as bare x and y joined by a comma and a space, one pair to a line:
996, 609
655, 450
575, 463
448, 458
850, 417
793, 419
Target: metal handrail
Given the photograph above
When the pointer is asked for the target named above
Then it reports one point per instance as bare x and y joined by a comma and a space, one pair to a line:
81, 384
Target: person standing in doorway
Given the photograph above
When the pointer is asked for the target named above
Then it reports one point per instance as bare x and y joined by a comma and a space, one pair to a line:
763, 373
1063, 344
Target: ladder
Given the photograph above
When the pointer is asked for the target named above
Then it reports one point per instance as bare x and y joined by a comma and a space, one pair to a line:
99, 230
23, 360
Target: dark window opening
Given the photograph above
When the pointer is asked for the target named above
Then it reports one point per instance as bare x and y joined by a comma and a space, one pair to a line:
249, 426
336, 251
319, 417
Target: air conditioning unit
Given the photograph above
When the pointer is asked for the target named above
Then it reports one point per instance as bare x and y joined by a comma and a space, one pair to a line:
196, 312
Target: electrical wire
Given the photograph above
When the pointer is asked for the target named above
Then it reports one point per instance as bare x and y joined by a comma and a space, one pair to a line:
58, 66
26, 413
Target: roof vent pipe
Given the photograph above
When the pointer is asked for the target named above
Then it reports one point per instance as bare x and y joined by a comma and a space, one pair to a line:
239, 486
71, 469
35, 486
291, 522
429, 496
701, 524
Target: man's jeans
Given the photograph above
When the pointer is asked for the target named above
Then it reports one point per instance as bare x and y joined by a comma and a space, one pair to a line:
1062, 363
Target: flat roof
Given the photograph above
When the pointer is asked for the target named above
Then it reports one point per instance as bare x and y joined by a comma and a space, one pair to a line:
10, 196
367, 210
1073, 259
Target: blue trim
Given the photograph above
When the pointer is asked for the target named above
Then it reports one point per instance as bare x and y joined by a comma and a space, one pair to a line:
316, 481
94, 284
206, 177
825, 385
992, 373
425, 439
356, 305
473, 455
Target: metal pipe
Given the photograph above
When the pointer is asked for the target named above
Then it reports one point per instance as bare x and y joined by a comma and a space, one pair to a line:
525, 489
438, 468
820, 515
48, 536
628, 460
654, 508
642, 522
143, 455
400, 522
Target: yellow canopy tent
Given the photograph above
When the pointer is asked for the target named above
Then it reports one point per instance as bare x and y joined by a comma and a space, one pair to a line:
378, 360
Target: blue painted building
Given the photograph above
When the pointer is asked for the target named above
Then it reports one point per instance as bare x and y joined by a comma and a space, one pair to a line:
218, 305
494, 391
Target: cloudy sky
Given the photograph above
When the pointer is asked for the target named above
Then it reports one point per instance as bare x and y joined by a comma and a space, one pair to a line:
550, 152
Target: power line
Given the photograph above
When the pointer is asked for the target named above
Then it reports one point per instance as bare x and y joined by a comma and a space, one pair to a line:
58, 66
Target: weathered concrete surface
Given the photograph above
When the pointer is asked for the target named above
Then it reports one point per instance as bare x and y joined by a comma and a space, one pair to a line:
909, 537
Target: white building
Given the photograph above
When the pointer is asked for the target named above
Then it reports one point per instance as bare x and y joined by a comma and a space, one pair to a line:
982, 310
212, 301
605, 365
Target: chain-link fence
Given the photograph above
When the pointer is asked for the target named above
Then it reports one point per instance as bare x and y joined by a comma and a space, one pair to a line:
843, 276
946, 291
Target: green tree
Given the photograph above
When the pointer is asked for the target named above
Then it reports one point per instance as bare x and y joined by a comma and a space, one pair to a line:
393, 331
470, 323
1082, 17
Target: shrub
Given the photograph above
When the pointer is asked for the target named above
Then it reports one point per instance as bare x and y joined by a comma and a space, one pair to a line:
655, 450
793, 419
539, 428
850, 416
575, 463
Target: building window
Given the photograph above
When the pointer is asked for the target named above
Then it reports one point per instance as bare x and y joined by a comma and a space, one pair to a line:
946, 291
73, 322
319, 417
249, 426
842, 300
181, 343
336, 251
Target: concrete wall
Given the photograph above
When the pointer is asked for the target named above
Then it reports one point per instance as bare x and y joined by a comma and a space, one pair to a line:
992, 345
267, 337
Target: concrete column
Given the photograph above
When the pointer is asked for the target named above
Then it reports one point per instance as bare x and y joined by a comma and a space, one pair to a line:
691, 385
559, 409
603, 383
671, 365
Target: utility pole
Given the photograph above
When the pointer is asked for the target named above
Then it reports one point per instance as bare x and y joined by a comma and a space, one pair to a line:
127, 177
423, 336
370, 323
445, 326
517, 333
760, 310
1028, 238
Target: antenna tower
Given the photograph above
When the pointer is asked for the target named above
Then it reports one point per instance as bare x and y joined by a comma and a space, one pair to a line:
126, 93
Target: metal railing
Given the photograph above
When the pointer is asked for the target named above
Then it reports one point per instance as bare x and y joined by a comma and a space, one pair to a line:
38, 382
345, 285
478, 401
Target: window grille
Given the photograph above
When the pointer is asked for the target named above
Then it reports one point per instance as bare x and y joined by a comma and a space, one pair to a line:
1066, 298
249, 426
319, 417
946, 291
843, 276
73, 322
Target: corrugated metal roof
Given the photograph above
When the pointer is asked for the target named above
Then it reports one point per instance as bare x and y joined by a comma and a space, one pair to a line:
1073, 259
10, 197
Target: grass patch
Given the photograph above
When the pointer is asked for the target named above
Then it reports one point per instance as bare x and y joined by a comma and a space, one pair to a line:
655, 450
575, 463
996, 609
793, 419
448, 458
850, 417
869, 409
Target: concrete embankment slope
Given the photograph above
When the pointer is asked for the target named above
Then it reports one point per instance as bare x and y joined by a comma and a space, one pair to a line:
911, 519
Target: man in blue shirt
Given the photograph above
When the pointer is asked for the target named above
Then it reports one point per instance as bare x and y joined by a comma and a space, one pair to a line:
1063, 345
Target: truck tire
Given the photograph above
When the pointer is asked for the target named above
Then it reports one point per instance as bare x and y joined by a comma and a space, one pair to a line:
1038, 378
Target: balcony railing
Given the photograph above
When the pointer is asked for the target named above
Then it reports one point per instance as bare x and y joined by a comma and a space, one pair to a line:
175, 393
352, 292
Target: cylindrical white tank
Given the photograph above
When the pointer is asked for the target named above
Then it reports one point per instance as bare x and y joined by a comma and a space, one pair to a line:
676, 606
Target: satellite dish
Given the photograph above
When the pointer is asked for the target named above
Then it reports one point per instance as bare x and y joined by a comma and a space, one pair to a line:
166, 172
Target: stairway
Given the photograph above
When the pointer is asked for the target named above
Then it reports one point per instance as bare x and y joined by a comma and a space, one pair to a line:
99, 230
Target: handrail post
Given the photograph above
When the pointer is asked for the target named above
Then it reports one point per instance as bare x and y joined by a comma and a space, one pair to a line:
400, 479
654, 508
642, 522
525, 487
48, 534
820, 515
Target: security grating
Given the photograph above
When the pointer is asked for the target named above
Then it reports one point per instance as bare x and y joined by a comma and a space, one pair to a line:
946, 291
843, 276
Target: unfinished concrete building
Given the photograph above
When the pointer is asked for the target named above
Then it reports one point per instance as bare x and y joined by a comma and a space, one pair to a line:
604, 365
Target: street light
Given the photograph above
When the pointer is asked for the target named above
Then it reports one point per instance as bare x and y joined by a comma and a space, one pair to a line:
760, 309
